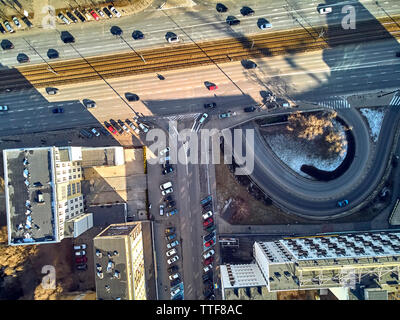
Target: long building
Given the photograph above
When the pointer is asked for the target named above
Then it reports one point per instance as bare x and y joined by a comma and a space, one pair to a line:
44, 200
319, 262
123, 262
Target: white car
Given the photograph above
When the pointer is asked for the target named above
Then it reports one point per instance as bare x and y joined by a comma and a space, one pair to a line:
172, 244
207, 215
16, 22
165, 192
170, 252
133, 127
325, 10
166, 185
3, 108
164, 151
174, 276
207, 268
208, 254
175, 292
95, 132
80, 247
203, 118
101, 13
63, 18
173, 259
8, 27
173, 39
143, 127
80, 253
115, 11
161, 209
265, 26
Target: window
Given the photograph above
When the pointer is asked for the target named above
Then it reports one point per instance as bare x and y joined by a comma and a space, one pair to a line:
71, 201
69, 190
63, 164
74, 170
81, 204
78, 187
74, 176
73, 189
79, 169
76, 206
69, 171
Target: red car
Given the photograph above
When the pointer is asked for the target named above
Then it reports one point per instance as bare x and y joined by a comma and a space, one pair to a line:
112, 130
208, 261
94, 15
207, 222
81, 260
212, 87
209, 243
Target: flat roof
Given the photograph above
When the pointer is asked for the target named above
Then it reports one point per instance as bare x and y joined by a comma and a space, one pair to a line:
28, 173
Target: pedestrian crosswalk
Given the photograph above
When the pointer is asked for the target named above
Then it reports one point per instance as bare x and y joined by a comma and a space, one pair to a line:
186, 116
395, 100
335, 102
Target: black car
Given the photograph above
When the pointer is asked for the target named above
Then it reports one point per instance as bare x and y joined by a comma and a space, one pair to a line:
207, 207
58, 110
221, 7
168, 198
80, 16
66, 37
206, 277
104, 131
232, 21
208, 284
167, 169
107, 12
209, 236
22, 58
250, 109
86, 133
210, 105
82, 267
248, 64
137, 35
2, 30
173, 269
72, 17
131, 96
175, 282
208, 293
116, 126
53, 54
247, 11
27, 22
7, 44
170, 204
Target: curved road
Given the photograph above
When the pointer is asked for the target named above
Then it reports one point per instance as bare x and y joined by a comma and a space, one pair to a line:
316, 199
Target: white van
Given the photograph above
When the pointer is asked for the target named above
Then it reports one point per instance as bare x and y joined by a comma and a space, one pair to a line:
166, 185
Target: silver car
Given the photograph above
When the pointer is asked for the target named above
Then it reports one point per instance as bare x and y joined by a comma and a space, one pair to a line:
63, 18
8, 26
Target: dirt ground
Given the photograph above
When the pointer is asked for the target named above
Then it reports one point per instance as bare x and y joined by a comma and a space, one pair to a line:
244, 208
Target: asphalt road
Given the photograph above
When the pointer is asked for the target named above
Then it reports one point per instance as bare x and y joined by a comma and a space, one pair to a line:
201, 22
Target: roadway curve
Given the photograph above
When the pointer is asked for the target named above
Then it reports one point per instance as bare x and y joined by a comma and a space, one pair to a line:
316, 199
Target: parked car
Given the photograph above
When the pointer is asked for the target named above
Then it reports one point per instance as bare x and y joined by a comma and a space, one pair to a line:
175, 292
171, 252
325, 10
250, 109
208, 268
114, 11
85, 133
175, 282
206, 276
132, 126
107, 12
232, 21
210, 105
8, 26
208, 222
226, 115
81, 267
63, 18
80, 253
210, 228
207, 215
247, 11
221, 8
104, 131
173, 269
170, 237
123, 126
209, 243
2, 30
80, 246
16, 21
81, 259
71, 16
165, 192
94, 15
172, 244
168, 198
343, 203
3, 108
173, 259
111, 129
101, 13
170, 204
143, 127
27, 22
209, 236
137, 35
172, 212
169, 230
95, 132
58, 110
208, 261
208, 254
161, 209
166, 185
203, 118
80, 16
167, 169
206, 200
174, 276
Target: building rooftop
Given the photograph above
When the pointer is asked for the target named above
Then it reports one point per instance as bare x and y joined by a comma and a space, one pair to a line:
29, 188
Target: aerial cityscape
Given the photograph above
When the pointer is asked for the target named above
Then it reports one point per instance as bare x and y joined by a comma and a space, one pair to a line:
200, 150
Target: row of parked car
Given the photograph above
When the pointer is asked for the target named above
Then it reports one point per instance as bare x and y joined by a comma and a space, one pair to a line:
15, 20
208, 255
172, 256
120, 126
90, 14
80, 257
